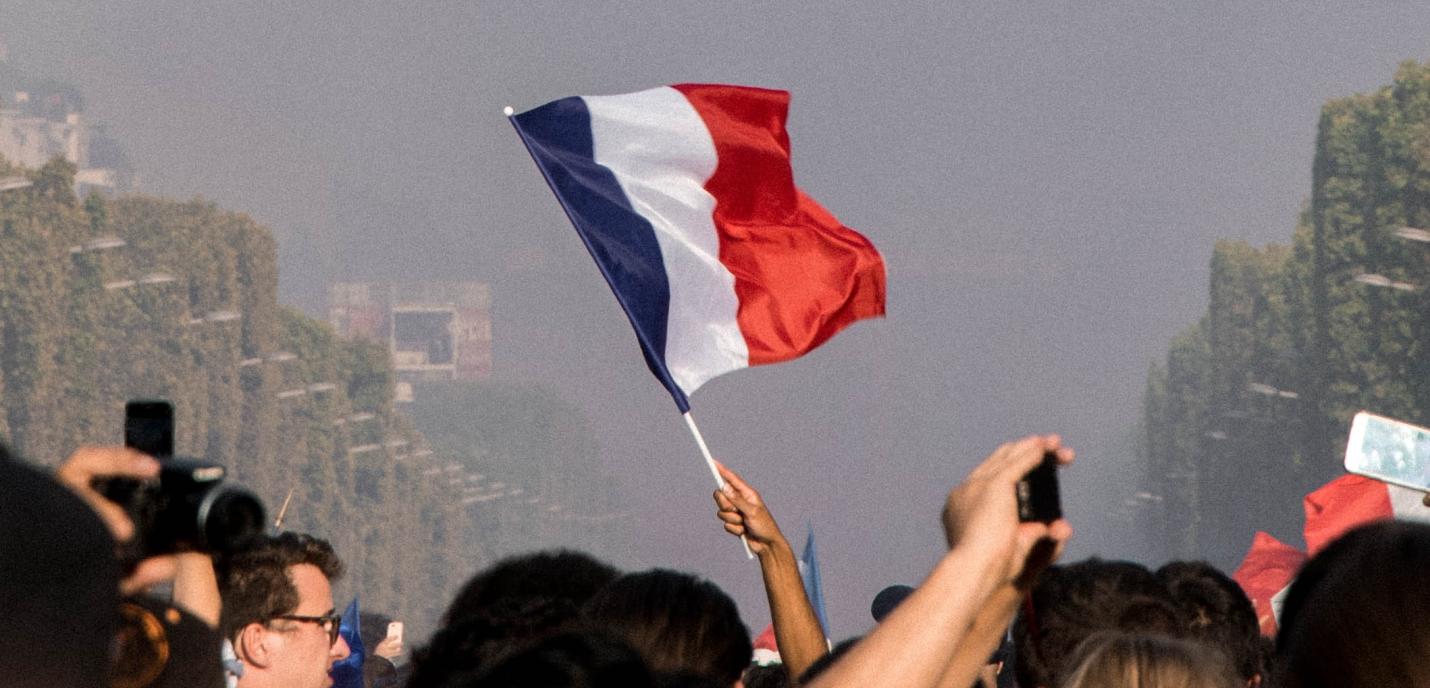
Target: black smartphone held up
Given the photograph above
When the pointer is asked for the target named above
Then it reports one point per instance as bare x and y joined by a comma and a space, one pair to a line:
1038, 498
149, 427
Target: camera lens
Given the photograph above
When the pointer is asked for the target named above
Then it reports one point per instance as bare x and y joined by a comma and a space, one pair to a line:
232, 519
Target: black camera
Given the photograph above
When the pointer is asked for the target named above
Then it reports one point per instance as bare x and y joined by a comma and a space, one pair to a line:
189, 507
1038, 495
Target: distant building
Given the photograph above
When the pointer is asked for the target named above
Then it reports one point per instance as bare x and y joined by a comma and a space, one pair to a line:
435, 330
35, 128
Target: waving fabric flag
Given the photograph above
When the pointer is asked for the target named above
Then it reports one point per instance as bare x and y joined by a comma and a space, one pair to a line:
1352, 500
685, 198
347, 672
809, 575
1265, 575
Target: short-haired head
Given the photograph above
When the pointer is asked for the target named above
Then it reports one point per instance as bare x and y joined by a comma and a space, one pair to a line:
256, 582
585, 659
1071, 602
550, 575
1216, 611
679, 623
1359, 612
480, 640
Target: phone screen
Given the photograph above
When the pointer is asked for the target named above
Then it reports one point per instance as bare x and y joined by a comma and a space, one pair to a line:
1389, 450
149, 427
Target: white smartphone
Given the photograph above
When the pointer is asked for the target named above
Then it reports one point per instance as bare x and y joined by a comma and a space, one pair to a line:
394, 631
1389, 450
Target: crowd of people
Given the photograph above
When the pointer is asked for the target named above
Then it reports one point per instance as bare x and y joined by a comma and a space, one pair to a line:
998, 609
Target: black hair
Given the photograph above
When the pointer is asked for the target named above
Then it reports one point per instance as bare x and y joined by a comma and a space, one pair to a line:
679, 623
766, 676
1217, 612
551, 575
59, 582
1359, 611
488, 636
586, 659
828, 659
1071, 602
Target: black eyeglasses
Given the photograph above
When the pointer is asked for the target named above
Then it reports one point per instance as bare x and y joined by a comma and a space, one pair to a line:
328, 622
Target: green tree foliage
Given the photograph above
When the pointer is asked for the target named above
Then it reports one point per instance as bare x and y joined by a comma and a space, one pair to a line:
186, 310
1252, 408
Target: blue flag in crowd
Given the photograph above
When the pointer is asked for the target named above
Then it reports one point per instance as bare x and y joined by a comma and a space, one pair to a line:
347, 672
809, 573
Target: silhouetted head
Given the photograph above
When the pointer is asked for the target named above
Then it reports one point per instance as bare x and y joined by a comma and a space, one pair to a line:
586, 659
679, 623
1217, 612
1359, 611
550, 575
1070, 603
59, 583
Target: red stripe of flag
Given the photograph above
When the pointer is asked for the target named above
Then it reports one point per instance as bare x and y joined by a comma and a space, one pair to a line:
800, 275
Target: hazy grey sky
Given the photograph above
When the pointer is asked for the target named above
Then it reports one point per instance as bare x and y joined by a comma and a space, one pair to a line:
1045, 180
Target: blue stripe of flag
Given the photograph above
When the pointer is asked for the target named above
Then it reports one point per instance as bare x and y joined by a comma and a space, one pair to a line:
623, 243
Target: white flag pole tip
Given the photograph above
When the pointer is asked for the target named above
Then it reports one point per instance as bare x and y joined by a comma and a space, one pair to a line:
508, 111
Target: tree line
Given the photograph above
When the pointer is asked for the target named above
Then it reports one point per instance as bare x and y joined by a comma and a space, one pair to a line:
1251, 408
103, 300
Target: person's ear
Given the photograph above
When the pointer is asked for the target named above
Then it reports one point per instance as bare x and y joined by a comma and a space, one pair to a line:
255, 645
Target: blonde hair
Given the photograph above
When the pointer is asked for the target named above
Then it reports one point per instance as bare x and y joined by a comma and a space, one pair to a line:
1119, 660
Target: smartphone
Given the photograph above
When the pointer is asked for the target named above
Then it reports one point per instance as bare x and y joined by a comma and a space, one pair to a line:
1038, 497
149, 427
1389, 450
394, 631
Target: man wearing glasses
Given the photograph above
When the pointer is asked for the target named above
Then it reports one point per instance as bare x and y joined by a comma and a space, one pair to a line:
278, 612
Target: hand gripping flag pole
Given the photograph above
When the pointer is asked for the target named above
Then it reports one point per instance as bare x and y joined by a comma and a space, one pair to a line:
685, 198
710, 462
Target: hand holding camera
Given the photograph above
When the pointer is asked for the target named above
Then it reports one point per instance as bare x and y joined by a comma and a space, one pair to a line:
156, 505
1008, 507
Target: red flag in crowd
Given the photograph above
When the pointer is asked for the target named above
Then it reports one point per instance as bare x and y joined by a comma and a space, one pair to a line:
1265, 574
1353, 500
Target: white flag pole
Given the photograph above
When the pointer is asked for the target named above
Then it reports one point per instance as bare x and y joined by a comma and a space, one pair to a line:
710, 462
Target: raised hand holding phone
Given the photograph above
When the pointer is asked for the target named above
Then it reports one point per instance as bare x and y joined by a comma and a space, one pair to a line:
1389, 450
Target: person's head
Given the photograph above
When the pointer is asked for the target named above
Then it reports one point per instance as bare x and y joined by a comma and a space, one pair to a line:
767, 676
278, 611
828, 659
1359, 611
483, 637
1074, 601
551, 575
887, 600
1217, 612
1109, 659
585, 659
59, 583
677, 622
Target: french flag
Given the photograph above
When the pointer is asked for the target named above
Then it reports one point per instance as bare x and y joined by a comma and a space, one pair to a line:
685, 198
